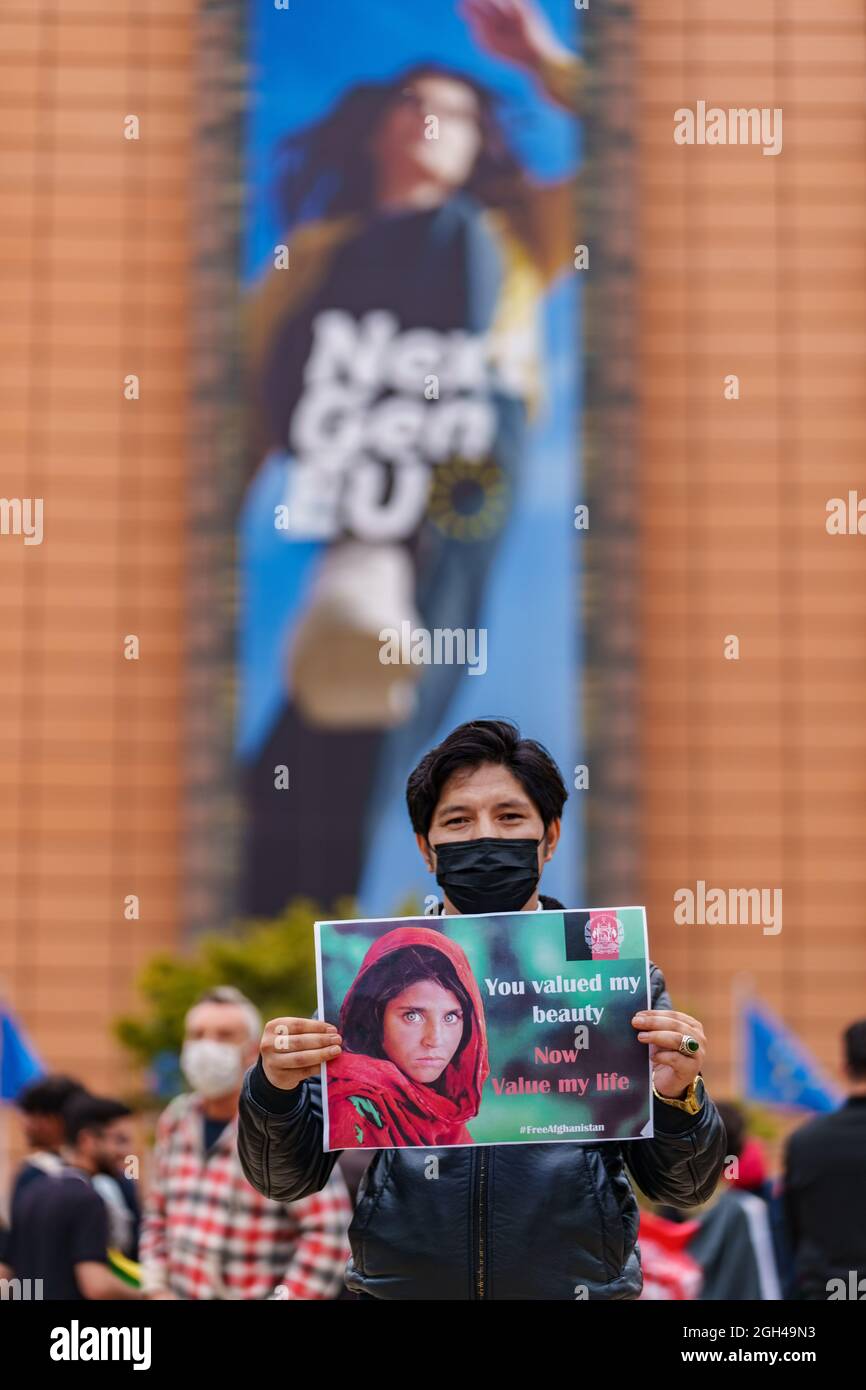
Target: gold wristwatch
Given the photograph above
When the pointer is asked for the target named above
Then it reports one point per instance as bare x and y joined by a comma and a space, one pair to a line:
691, 1102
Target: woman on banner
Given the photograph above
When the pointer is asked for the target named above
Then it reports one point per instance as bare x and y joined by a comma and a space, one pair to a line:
394, 363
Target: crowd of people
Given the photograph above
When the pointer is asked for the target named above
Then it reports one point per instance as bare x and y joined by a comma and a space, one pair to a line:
798, 1235
77, 1220
79, 1225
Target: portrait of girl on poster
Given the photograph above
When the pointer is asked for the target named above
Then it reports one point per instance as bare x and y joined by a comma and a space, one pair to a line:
414, 1058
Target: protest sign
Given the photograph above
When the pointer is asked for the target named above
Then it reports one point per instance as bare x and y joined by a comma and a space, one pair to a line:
510, 1028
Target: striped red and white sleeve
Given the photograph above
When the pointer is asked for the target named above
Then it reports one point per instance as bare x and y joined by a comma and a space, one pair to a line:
322, 1247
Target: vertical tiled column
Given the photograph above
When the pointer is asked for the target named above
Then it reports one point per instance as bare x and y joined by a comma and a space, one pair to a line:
752, 770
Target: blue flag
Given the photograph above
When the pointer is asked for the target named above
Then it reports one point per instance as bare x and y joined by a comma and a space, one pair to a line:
19, 1064
777, 1068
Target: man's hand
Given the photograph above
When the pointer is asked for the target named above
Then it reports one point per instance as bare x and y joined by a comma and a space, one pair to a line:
295, 1048
516, 30
664, 1030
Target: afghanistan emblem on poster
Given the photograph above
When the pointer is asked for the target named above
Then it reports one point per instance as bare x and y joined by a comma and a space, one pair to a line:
604, 934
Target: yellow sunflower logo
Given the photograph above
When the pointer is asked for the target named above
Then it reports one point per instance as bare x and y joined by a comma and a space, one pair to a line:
468, 499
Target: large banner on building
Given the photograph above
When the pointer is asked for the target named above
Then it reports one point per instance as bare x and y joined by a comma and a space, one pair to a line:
407, 536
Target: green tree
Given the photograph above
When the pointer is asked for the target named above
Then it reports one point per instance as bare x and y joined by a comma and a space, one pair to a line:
272, 962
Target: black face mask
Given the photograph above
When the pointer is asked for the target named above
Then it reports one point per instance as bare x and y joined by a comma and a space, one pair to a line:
489, 875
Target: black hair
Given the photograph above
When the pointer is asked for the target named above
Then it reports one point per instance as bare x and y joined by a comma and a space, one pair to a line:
327, 169
87, 1112
855, 1049
48, 1095
734, 1120
486, 741
362, 1023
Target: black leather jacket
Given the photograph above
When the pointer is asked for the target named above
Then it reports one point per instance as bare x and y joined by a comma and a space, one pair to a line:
513, 1221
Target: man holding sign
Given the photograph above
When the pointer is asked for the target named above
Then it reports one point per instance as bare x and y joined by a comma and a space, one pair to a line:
521, 1220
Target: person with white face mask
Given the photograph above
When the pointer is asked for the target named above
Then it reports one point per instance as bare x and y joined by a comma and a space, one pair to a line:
211, 1068
202, 1217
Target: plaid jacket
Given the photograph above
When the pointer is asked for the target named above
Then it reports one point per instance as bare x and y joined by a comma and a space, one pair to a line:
207, 1234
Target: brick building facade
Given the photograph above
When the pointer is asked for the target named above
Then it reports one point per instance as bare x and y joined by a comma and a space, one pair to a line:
741, 773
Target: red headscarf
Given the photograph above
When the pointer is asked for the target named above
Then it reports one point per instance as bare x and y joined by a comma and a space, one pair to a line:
373, 1104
